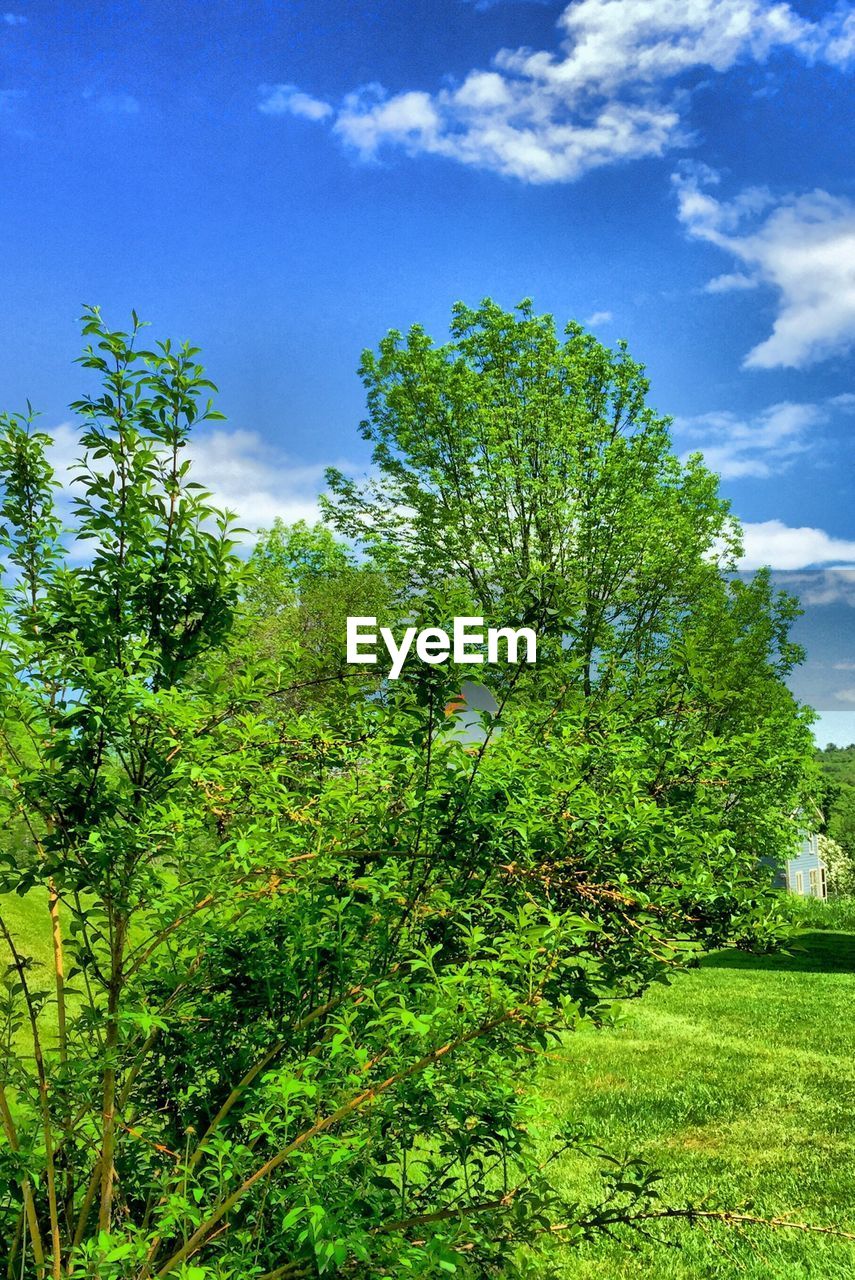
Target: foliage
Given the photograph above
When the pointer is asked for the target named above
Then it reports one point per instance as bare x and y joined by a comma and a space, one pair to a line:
309, 940
300, 585
93, 657
527, 480
838, 805
840, 867
829, 915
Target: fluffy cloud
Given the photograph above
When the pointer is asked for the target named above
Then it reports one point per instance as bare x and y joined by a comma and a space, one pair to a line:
257, 482
494, 122
598, 318
609, 91
771, 542
243, 474
755, 446
802, 246
287, 99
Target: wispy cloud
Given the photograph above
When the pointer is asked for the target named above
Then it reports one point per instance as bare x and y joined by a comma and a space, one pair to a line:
244, 474
831, 585
260, 483
598, 318
611, 90
781, 546
287, 99
757, 446
802, 246
256, 481
13, 19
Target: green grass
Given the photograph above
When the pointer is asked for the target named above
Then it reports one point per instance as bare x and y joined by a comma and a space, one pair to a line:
28, 921
738, 1082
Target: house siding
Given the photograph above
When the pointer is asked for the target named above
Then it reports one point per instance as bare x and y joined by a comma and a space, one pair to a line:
805, 874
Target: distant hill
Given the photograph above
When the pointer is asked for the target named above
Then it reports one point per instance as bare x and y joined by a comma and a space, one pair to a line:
838, 801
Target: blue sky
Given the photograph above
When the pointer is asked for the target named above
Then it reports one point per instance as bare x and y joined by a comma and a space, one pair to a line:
284, 181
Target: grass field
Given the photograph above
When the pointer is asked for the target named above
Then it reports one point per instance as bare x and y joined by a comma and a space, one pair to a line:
738, 1082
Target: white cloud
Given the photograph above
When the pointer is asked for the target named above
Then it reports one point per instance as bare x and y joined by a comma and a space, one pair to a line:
756, 446
609, 91
498, 122
599, 317
287, 99
845, 695
832, 585
242, 472
771, 542
802, 246
730, 282
254, 480
13, 19
840, 38
610, 43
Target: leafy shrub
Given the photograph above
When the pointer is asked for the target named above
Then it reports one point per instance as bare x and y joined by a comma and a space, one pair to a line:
835, 914
309, 940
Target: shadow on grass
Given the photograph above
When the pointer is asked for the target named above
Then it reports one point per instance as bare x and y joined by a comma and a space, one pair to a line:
807, 953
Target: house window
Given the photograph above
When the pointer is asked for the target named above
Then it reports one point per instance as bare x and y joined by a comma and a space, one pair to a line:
800, 882
824, 883
814, 882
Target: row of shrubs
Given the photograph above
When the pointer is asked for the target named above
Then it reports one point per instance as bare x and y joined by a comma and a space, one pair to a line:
814, 913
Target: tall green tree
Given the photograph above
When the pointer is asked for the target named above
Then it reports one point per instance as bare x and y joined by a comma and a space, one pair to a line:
95, 653
529, 469
533, 468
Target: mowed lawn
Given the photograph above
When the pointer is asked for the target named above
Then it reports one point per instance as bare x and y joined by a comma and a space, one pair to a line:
738, 1082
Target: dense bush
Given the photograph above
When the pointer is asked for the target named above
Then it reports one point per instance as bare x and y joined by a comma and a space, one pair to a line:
310, 938
812, 913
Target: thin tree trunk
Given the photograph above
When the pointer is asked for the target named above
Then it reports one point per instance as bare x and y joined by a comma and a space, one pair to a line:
26, 1189
59, 982
108, 1132
58, 969
44, 1105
